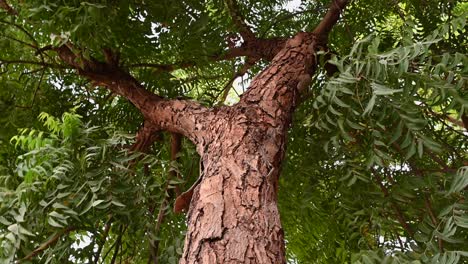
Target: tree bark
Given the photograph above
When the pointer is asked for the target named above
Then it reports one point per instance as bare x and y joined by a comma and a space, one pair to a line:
233, 217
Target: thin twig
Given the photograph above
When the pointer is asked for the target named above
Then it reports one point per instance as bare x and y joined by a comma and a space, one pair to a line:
103, 240
108, 251
118, 244
44, 64
227, 87
286, 17
21, 42
396, 208
37, 87
430, 211
30, 36
163, 67
398, 9
48, 243
238, 19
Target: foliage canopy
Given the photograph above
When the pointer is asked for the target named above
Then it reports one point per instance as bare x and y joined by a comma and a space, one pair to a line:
376, 168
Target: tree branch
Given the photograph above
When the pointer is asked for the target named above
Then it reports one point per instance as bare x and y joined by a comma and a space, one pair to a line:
180, 116
255, 49
287, 17
398, 9
430, 211
396, 208
103, 240
48, 243
238, 20
330, 19
21, 42
446, 117
145, 137
30, 36
176, 145
40, 63
243, 70
118, 243
163, 67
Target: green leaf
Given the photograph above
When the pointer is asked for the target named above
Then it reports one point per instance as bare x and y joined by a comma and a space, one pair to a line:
24, 231
53, 223
420, 147
461, 221
117, 203
13, 229
411, 151
379, 89
340, 103
460, 180
4, 221
97, 202
370, 105
397, 133
57, 215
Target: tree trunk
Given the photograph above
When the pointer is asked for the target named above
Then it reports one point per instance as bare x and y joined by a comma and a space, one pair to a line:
233, 217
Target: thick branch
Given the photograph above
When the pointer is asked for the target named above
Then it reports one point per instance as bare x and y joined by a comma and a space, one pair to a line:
330, 19
180, 116
292, 65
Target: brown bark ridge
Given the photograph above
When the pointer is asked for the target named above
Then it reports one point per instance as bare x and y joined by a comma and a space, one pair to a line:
233, 215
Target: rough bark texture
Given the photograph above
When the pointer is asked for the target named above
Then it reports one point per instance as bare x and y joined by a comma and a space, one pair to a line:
234, 217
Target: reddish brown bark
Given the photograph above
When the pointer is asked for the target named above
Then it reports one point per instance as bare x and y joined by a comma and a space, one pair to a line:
233, 215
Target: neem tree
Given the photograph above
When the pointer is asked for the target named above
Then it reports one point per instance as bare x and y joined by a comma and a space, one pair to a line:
375, 164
